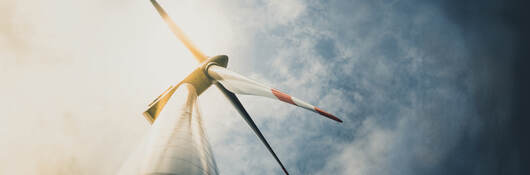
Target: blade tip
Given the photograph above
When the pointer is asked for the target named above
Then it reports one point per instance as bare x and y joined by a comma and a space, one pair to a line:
328, 115
285, 171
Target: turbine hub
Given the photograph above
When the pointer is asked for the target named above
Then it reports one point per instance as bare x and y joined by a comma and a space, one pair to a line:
199, 77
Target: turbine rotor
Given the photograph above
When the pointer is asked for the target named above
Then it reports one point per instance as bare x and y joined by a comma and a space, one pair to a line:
213, 71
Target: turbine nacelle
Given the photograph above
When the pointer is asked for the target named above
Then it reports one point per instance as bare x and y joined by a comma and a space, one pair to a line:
199, 78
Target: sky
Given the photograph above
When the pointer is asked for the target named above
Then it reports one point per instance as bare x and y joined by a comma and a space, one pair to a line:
423, 86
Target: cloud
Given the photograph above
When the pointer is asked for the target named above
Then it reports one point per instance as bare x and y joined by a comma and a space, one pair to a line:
11, 32
401, 65
366, 154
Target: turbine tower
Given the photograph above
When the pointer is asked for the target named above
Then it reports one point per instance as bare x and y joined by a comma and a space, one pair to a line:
177, 143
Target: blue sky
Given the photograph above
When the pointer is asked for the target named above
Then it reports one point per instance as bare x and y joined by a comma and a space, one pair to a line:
417, 88
395, 71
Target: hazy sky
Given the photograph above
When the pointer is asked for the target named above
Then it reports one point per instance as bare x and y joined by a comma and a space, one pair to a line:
423, 87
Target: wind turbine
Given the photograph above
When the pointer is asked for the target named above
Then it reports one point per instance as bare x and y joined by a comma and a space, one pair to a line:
212, 71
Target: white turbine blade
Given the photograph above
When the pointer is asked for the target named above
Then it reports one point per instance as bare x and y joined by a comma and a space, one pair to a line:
241, 85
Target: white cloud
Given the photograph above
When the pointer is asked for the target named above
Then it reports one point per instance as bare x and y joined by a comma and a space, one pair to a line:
367, 154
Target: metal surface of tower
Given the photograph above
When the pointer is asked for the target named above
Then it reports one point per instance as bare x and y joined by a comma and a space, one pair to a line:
177, 143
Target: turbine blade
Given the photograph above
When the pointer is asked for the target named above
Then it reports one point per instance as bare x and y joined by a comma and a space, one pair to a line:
239, 107
178, 32
241, 85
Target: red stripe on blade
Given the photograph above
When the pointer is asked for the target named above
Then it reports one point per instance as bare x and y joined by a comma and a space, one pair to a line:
282, 96
328, 115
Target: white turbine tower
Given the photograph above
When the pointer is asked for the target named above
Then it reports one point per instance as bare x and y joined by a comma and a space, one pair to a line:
177, 143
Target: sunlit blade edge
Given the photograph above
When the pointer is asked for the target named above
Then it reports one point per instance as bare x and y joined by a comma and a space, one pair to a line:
179, 34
